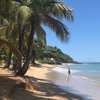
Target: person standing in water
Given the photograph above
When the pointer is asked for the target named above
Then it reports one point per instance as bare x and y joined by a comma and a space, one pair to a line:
69, 72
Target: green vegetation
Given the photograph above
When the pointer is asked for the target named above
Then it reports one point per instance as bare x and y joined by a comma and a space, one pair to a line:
53, 55
21, 20
0, 63
48, 54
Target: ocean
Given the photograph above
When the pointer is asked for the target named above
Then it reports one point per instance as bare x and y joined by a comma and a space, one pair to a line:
85, 70
84, 79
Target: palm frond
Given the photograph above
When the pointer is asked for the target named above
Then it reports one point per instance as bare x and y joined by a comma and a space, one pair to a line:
12, 48
12, 30
59, 10
23, 15
59, 28
52, 7
2, 30
41, 34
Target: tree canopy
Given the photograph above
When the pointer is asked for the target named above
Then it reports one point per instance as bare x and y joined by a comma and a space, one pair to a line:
21, 20
53, 55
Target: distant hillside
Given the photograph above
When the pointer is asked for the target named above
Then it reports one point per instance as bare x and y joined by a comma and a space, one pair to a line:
53, 55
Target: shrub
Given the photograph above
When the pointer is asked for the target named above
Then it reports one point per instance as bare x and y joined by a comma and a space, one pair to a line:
47, 61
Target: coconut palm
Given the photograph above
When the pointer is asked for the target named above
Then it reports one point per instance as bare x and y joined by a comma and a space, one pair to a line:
34, 13
11, 31
11, 47
47, 12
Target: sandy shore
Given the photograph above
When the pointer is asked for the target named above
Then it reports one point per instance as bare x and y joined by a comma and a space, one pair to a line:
34, 86
86, 88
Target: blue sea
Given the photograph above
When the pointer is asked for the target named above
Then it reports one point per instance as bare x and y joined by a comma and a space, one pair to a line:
84, 70
84, 79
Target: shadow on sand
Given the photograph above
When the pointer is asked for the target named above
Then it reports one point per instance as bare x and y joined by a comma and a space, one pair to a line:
12, 89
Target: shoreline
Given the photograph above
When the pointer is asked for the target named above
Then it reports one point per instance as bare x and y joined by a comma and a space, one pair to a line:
44, 88
15, 88
76, 84
46, 69
74, 73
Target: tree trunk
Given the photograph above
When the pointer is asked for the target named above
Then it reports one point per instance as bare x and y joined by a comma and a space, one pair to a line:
21, 38
33, 61
7, 65
25, 67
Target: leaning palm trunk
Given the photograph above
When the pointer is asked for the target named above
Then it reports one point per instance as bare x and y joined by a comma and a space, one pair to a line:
25, 66
21, 38
7, 65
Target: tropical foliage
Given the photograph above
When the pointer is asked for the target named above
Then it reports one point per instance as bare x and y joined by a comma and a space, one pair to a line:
21, 20
53, 55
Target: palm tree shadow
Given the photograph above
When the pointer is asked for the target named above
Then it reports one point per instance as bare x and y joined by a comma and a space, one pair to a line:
14, 90
50, 89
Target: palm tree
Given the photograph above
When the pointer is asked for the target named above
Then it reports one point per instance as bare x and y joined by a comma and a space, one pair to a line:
11, 31
11, 47
45, 12
35, 13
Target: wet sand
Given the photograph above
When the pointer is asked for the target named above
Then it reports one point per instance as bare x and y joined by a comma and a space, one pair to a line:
87, 89
34, 86
46, 85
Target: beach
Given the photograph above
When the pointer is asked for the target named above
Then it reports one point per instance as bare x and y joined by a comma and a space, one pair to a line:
43, 83
77, 82
87, 89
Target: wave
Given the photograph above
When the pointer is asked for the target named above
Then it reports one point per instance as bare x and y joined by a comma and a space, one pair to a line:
75, 71
60, 70
87, 78
80, 73
64, 70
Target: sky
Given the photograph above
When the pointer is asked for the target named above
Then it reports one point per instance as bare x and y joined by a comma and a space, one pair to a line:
84, 43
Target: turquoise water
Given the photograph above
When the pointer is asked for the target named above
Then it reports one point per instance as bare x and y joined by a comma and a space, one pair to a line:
89, 70
84, 79
86, 70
